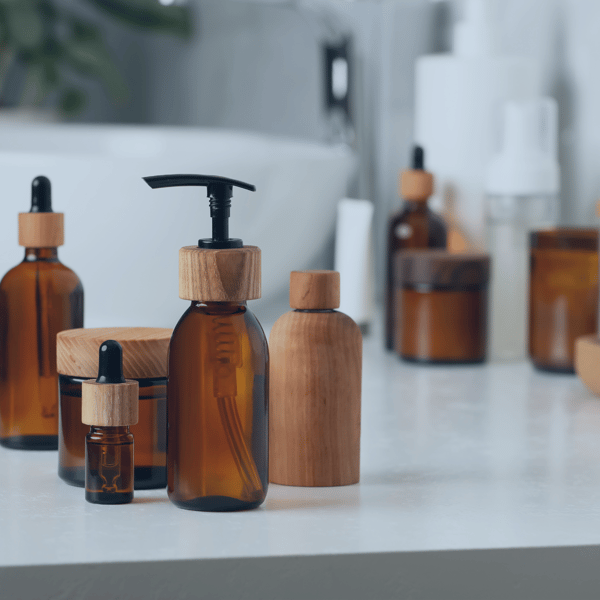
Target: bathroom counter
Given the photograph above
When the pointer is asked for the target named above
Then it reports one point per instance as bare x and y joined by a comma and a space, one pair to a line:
477, 482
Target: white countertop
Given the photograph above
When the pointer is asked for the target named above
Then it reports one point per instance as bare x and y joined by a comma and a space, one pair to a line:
453, 458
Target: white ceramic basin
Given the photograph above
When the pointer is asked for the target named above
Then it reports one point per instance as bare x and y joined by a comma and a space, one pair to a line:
122, 238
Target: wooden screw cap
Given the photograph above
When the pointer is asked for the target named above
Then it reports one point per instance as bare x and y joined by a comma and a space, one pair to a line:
415, 184
41, 230
227, 275
316, 290
145, 351
111, 400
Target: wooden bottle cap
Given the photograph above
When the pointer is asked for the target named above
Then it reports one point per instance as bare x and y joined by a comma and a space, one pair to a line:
109, 404
227, 275
317, 290
415, 184
41, 230
587, 359
145, 351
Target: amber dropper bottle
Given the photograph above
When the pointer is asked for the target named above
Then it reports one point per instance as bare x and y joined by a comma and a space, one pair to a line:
217, 391
38, 298
109, 405
415, 226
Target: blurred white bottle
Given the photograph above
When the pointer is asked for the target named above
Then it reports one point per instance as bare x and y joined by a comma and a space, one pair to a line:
354, 259
456, 98
522, 188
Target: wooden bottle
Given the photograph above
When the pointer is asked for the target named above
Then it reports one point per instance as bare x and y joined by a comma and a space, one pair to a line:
315, 387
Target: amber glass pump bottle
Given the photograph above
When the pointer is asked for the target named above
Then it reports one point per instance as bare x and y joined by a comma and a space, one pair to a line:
415, 226
217, 390
38, 298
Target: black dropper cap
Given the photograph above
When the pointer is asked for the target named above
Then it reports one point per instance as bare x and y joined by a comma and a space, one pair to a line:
110, 363
41, 195
418, 158
219, 191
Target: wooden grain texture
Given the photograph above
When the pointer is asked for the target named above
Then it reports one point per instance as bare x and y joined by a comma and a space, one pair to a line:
229, 275
41, 230
587, 361
145, 351
415, 185
314, 400
317, 290
109, 404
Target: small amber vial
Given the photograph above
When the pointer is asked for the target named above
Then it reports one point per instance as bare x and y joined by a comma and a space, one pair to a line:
442, 300
563, 295
109, 405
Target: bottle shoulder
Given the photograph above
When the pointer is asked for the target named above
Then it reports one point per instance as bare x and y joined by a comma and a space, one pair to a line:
26, 273
315, 327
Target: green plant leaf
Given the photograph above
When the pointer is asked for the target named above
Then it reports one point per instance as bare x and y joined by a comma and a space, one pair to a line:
41, 77
149, 14
86, 52
72, 101
24, 25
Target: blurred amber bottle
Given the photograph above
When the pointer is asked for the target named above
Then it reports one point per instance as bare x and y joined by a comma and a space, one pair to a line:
217, 391
38, 298
416, 226
563, 295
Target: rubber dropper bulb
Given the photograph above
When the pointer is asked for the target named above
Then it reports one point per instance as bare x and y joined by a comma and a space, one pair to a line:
110, 363
41, 195
418, 158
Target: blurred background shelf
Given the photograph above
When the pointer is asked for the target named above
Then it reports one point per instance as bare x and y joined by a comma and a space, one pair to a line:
477, 482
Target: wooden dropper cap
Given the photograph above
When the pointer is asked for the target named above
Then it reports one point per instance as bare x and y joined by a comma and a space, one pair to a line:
40, 227
314, 290
219, 269
110, 400
416, 184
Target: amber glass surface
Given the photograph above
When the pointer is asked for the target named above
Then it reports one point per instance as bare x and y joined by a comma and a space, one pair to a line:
38, 298
414, 227
563, 295
217, 458
150, 434
446, 326
109, 465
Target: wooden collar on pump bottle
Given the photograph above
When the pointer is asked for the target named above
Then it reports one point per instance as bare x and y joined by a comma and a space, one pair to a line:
41, 228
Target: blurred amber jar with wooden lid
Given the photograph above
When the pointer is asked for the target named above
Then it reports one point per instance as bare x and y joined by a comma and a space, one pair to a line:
563, 294
442, 302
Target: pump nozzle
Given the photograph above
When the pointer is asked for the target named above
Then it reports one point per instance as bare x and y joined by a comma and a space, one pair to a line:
110, 364
41, 195
220, 191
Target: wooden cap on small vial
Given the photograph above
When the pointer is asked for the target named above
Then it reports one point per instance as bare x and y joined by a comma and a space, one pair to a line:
41, 228
223, 275
110, 400
587, 359
314, 290
145, 351
415, 185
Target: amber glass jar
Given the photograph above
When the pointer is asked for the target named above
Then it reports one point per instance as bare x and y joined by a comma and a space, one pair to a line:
441, 299
563, 295
145, 360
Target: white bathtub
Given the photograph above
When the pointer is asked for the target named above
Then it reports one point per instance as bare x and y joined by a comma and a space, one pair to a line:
122, 238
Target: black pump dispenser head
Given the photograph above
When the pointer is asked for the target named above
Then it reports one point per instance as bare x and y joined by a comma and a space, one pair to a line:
418, 158
219, 191
41, 195
110, 364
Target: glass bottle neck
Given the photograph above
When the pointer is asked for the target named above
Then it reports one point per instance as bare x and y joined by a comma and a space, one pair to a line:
109, 431
219, 308
45, 254
416, 205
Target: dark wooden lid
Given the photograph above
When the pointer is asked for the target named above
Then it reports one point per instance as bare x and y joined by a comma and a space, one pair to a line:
439, 268
565, 238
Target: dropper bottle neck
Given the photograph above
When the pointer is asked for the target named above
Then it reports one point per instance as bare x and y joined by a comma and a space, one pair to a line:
41, 254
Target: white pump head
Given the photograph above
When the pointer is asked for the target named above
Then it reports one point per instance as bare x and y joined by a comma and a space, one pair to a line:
474, 35
527, 163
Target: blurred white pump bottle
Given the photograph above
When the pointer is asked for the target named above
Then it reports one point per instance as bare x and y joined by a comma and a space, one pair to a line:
456, 98
522, 187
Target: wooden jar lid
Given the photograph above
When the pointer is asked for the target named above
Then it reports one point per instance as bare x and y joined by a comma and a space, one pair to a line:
145, 351
587, 359
41, 230
228, 275
109, 404
317, 290
415, 184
